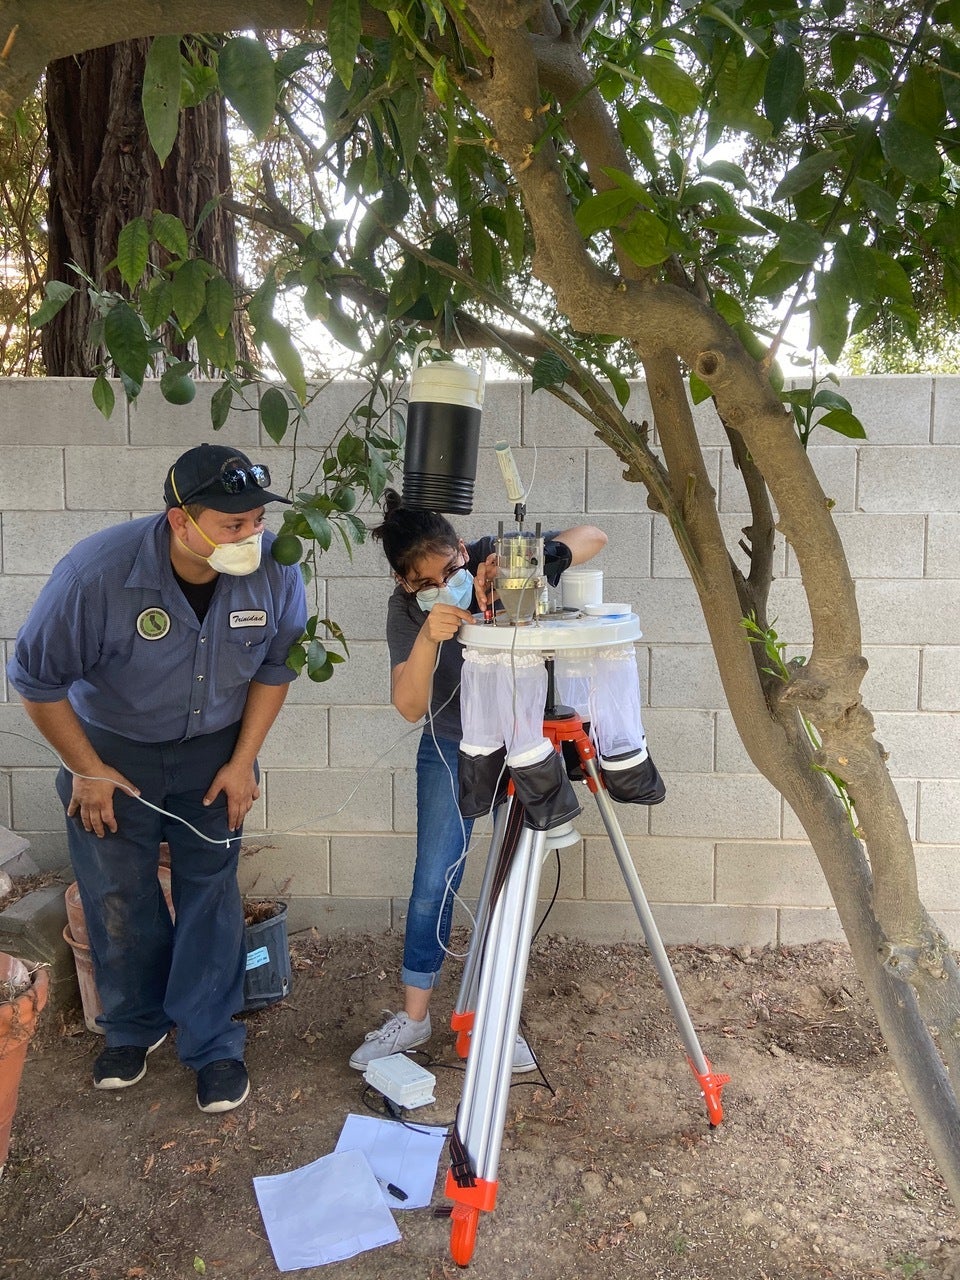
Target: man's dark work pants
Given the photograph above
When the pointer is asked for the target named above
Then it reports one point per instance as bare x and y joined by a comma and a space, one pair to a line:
151, 975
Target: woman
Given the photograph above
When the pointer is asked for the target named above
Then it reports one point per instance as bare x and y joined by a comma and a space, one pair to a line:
441, 582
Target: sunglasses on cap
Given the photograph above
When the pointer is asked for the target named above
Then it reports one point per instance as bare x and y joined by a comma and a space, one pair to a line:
233, 477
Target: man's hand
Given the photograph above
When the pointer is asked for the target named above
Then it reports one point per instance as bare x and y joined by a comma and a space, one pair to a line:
238, 782
93, 801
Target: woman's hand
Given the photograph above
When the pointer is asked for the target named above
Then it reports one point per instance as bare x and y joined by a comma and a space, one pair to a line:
483, 581
444, 621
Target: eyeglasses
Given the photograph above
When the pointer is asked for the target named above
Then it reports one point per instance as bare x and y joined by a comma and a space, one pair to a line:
443, 579
233, 477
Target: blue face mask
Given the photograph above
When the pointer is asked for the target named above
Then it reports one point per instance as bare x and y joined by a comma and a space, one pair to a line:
457, 590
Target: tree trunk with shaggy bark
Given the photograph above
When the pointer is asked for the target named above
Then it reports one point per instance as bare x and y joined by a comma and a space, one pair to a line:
103, 172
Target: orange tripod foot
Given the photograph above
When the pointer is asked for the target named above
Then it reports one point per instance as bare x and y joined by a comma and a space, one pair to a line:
463, 1233
469, 1201
711, 1086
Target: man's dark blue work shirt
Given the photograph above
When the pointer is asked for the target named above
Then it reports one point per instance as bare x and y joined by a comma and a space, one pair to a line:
112, 631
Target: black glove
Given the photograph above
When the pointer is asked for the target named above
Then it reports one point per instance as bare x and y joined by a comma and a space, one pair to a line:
557, 556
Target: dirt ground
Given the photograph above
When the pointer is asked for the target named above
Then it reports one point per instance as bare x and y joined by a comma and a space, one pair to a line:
817, 1171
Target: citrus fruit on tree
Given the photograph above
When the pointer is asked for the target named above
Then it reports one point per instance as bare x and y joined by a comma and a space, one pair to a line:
287, 549
178, 390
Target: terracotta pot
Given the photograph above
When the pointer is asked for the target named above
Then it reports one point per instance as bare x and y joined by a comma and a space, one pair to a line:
89, 995
18, 1022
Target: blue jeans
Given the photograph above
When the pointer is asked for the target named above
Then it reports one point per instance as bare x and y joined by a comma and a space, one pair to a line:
442, 836
150, 974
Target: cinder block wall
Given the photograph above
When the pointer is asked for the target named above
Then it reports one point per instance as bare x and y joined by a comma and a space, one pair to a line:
723, 859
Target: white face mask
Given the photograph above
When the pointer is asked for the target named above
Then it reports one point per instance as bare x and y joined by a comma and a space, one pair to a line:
237, 558
234, 558
457, 590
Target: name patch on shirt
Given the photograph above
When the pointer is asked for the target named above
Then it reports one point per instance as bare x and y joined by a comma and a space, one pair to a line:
249, 618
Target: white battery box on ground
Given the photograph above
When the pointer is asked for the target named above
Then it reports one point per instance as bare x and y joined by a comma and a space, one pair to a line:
401, 1080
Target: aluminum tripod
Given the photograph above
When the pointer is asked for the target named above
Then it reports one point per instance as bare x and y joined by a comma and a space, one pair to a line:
487, 1014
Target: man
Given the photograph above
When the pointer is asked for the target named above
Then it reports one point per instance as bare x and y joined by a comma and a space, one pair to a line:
154, 664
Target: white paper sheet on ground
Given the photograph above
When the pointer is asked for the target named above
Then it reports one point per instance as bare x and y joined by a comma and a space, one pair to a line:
327, 1211
402, 1154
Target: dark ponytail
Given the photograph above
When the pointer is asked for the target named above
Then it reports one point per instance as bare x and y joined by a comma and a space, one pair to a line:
410, 533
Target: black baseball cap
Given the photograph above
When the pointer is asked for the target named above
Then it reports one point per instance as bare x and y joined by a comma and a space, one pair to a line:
218, 477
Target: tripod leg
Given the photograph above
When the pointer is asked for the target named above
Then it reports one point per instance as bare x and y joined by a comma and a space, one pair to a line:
463, 1011
475, 1146
711, 1083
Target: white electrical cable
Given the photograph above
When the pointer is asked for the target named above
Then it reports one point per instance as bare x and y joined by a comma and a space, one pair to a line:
87, 777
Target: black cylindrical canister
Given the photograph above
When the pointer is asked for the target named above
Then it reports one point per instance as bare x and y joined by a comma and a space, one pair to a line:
443, 437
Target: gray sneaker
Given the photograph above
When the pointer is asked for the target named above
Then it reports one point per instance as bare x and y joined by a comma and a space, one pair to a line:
398, 1034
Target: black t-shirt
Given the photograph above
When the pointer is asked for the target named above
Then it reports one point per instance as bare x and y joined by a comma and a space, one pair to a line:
198, 594
404, 620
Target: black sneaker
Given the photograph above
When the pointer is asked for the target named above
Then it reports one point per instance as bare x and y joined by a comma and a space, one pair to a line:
222, 1085
123, 1066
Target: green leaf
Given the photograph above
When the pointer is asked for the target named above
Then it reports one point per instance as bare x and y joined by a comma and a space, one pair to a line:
169, 231
274, 413
214, 348
56, 295
827, 399
515, 229
799, 242
727, 171
320, 527
881, 202
219, 303
843, 56
156, 302
892, 281
220, 405
645, 240
920, 101
297, 657
160, 96
248, 81
950, 78
911, 150
829, 323
316, 300
549, 371
103, 396
343, 34
133, 246
318, 662
773, 275
190, 290
810, 170
197, 82
699, 391
635, 133
127, 343
783, 85
669, 83
602, 211
844, 423
854, 270
285, 355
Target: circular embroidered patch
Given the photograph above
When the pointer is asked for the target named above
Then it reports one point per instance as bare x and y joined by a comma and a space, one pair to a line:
153, 624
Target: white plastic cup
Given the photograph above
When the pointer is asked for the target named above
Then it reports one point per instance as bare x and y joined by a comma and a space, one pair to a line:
580, 587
